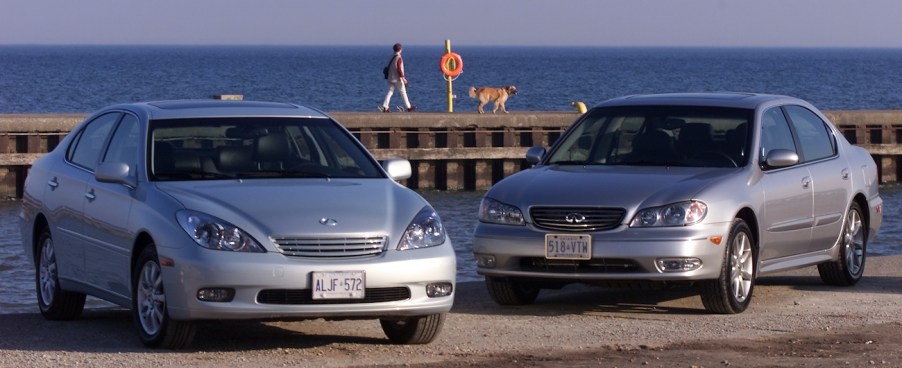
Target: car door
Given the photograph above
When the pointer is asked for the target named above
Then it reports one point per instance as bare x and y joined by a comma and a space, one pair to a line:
788, 193
65, 196
830, 175
108, 241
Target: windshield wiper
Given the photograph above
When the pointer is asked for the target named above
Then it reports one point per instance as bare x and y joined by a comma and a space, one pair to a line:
574, 162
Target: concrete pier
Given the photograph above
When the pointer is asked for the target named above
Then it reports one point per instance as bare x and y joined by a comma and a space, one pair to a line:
448, 151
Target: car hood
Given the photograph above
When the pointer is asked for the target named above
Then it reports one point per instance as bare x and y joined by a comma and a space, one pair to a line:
303, 207
628, 187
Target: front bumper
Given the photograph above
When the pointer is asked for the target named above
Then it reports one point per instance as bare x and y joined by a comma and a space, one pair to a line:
250, 274
622, 254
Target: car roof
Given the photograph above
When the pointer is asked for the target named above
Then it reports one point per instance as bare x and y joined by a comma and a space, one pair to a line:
717, 99
177, 109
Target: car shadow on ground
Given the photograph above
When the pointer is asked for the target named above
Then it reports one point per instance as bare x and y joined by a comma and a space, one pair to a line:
473, 298
867, 284
111, 330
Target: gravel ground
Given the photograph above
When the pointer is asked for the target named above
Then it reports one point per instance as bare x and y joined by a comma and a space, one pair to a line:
794, 320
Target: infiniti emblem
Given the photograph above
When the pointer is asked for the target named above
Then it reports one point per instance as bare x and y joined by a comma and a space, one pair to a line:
575, 218
328, 222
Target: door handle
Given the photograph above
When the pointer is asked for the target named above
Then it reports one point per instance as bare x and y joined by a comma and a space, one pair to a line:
53, 183
90, 195
806, 182
845, 174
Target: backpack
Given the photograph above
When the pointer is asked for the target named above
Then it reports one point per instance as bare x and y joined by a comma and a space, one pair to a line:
386, 68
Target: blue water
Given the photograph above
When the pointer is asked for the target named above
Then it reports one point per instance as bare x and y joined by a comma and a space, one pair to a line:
48, 79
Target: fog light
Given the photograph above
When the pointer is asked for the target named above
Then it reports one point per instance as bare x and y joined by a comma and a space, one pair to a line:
486, 261
678, 264
221, 295
437, 289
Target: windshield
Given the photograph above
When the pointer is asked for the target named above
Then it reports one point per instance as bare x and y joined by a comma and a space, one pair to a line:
697, 136
217, 148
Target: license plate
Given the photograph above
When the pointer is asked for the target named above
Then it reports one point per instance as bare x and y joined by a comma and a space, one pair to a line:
339, 285
559, 246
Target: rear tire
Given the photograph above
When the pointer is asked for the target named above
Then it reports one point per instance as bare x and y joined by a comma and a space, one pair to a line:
413, 330
505, 291
848, 269
149, 309
731, 293
55, 303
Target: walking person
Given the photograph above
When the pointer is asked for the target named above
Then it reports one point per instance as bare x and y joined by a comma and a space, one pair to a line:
394, 74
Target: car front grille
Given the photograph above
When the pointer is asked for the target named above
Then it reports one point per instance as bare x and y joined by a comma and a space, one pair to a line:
595, 265
331, 247
305, 296
577, 218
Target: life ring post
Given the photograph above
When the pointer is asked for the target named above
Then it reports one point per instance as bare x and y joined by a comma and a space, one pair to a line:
451, 66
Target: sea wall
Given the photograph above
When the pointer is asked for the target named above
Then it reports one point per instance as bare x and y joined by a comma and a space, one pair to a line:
448, 151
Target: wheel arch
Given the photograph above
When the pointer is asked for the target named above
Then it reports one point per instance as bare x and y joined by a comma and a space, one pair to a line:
143, 240
862, 202
748, 215
40, 223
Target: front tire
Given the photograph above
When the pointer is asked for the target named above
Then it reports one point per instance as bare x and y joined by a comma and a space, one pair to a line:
505, 291
55, 303
848, 269
149, 311
413, 330
731, 293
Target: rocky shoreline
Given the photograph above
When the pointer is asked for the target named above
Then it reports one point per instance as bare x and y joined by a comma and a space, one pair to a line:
794, 320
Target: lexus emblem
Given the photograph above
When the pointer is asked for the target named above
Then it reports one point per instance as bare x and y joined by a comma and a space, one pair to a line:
575, 218
328, 222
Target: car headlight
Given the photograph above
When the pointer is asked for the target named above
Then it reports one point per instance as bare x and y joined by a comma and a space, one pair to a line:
674, 214
424, 231
496, 212
213, 233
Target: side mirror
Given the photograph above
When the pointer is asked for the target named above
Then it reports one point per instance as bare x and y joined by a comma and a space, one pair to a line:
534, 155
781, 158
397, 168
114, 172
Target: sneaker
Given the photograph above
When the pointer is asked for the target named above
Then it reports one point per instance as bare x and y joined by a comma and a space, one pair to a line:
411, 109
383, 109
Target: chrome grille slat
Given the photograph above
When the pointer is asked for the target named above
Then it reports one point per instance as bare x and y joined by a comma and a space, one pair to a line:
324, 247
596, 218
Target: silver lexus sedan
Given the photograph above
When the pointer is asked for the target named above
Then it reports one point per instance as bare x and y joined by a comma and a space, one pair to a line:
704, 189
200, 210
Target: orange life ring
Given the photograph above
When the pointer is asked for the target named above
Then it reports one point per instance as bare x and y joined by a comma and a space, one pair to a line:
452, 65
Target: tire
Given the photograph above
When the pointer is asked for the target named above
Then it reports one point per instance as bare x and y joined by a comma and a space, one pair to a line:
413, 330
731, 293
506, 291
55, 303
848, 269
149, 309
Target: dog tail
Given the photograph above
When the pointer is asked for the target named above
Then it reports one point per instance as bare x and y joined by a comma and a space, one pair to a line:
472, 92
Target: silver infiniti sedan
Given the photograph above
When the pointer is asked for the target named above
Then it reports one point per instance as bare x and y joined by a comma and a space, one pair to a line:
704, 189
198, 210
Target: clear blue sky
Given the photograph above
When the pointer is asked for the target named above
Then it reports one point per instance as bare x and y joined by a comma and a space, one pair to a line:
793, 23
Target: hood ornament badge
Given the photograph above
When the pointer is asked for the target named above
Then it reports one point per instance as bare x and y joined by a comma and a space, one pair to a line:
575, 218
328, 222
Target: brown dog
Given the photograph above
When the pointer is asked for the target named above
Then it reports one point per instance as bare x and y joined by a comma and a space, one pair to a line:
498, 96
